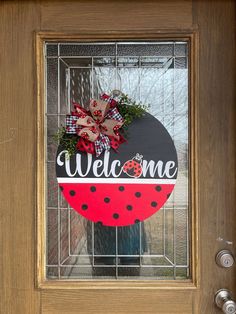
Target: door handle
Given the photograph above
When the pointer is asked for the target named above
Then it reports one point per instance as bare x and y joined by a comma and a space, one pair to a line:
223, 299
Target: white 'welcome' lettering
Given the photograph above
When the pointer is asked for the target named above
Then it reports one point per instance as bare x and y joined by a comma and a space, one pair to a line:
114, 169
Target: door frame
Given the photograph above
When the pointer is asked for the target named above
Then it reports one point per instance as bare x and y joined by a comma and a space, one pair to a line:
192, 37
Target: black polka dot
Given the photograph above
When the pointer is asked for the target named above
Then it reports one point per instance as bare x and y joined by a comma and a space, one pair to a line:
138, 194
137, 221
154, 204
158, 188
106, 200
115, 216
61, 188
129, 207
93, 189
168, 195
72, 192
121, 188
99, 223
84, 206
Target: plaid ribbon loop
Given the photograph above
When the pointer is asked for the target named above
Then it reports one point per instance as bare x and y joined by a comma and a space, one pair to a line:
98, 125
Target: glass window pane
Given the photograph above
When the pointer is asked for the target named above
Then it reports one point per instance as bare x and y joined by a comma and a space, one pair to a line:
87, 49
154, 73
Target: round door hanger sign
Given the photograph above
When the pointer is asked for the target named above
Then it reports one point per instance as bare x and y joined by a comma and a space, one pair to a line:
125, 187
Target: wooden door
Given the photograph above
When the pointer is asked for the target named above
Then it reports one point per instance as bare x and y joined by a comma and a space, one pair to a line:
210, 27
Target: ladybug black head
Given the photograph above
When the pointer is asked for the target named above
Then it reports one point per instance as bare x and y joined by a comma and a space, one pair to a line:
138, 158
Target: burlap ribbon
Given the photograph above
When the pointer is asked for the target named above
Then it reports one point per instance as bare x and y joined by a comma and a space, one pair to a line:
99, 125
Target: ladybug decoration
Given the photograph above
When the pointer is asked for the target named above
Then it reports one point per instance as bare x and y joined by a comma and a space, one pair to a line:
133, 167
97, 113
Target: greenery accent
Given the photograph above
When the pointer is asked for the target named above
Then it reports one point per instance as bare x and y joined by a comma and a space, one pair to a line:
68, 141
128, 108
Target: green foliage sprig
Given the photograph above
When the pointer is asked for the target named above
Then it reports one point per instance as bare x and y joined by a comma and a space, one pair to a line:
130, 109
68, 141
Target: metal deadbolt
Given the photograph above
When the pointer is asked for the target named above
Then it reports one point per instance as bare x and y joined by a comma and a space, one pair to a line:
225, 259
223, 299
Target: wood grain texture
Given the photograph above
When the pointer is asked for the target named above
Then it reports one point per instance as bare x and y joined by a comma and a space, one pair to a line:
116, 302
17, 136
115, 15
217, 123
216, 21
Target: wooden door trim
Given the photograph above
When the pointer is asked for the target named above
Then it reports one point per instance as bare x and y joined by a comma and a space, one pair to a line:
192, 37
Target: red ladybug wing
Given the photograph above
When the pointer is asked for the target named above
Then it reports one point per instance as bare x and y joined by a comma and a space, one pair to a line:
127, 164
125, 167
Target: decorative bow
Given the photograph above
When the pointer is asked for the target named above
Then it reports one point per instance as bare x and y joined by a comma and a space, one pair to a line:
98, 128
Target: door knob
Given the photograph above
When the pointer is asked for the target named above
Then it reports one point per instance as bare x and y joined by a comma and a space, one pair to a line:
225, 259
223, 299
